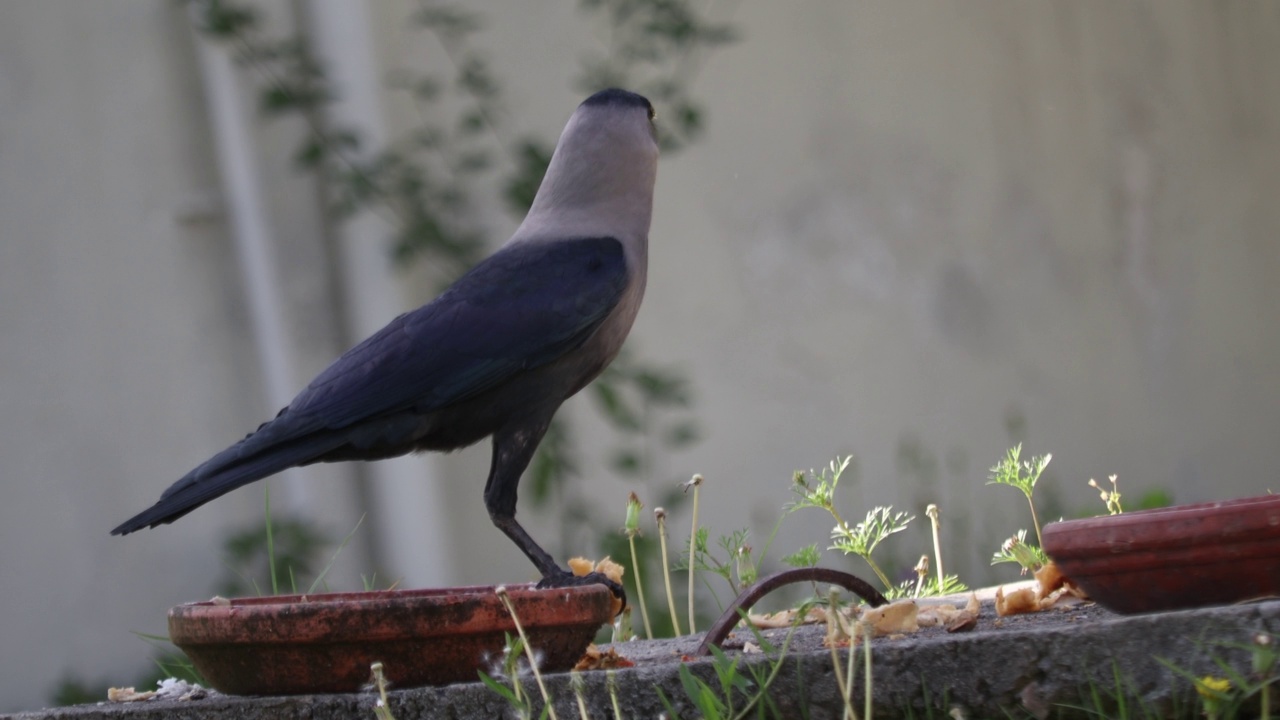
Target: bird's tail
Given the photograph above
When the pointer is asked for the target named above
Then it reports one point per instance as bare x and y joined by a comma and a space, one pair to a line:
238, 465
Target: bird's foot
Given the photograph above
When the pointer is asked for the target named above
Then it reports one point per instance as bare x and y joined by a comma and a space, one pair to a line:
564, 578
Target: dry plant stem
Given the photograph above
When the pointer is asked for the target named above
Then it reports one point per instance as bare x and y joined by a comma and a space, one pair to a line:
1035, 519
866, 647
632, 528
696, 482
501, 591
635, 568
884, 579
835, 665
611, 682
382, 709
516, 687
833, 618
661, 516
932, 512
575, 681
271, 547
849, 658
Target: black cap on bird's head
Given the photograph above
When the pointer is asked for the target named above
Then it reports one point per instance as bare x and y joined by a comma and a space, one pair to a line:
619, 98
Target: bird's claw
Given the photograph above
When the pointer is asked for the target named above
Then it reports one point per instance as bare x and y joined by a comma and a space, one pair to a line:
567, 579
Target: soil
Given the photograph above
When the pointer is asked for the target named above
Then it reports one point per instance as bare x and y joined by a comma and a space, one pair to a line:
809, 638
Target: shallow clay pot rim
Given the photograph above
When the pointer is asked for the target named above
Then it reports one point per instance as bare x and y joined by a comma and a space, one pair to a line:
517, 591
378, 615
1169, 536
1143, 516
1172, 558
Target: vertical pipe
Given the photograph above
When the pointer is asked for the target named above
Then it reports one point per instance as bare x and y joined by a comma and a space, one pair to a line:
250, 231
407, 500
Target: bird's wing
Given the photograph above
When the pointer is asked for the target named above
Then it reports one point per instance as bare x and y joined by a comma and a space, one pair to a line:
523, 307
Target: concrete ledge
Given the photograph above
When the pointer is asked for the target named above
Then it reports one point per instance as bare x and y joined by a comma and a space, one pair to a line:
1035, 667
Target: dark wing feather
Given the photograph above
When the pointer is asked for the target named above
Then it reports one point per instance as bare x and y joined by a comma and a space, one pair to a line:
523, 307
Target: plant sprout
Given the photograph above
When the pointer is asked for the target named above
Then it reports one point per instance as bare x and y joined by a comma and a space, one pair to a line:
822, 494
950, 585
381, 706
737, 569
922, 572
1110, 497
805, 557
934, 523
861, 539
660, 516
744, 566
1022, 475
695, 482
1016, 550
632, 528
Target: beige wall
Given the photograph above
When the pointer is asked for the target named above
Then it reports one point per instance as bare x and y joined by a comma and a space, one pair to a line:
124, 355
907, 222
910, 221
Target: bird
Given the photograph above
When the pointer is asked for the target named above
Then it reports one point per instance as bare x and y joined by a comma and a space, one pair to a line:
493, 356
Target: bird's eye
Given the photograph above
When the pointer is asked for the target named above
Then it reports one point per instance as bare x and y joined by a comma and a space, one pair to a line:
653, 114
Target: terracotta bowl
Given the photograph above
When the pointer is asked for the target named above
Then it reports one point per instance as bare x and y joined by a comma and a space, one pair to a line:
1172, 558
294, 644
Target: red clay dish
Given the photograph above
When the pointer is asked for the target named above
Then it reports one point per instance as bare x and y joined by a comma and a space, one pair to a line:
325, 643
1173, 558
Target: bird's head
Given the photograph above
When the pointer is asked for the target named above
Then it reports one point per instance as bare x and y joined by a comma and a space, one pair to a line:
601, 176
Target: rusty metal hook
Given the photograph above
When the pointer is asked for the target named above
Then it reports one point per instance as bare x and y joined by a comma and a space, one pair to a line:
751, 595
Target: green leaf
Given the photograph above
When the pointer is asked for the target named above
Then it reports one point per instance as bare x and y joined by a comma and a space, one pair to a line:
427, 89
1020, 474
497, 687
472, 162
615, 408
345, 139
692, 685
471, 123
666, 705
474, 77
554, 464
224, 19
310, 154
532, 158
626, 462
880, 523
804, 557
662, 388
682, 434
1017, 550
449, 20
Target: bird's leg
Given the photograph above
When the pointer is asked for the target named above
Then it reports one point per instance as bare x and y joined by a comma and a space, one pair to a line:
544, 562
513, 448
